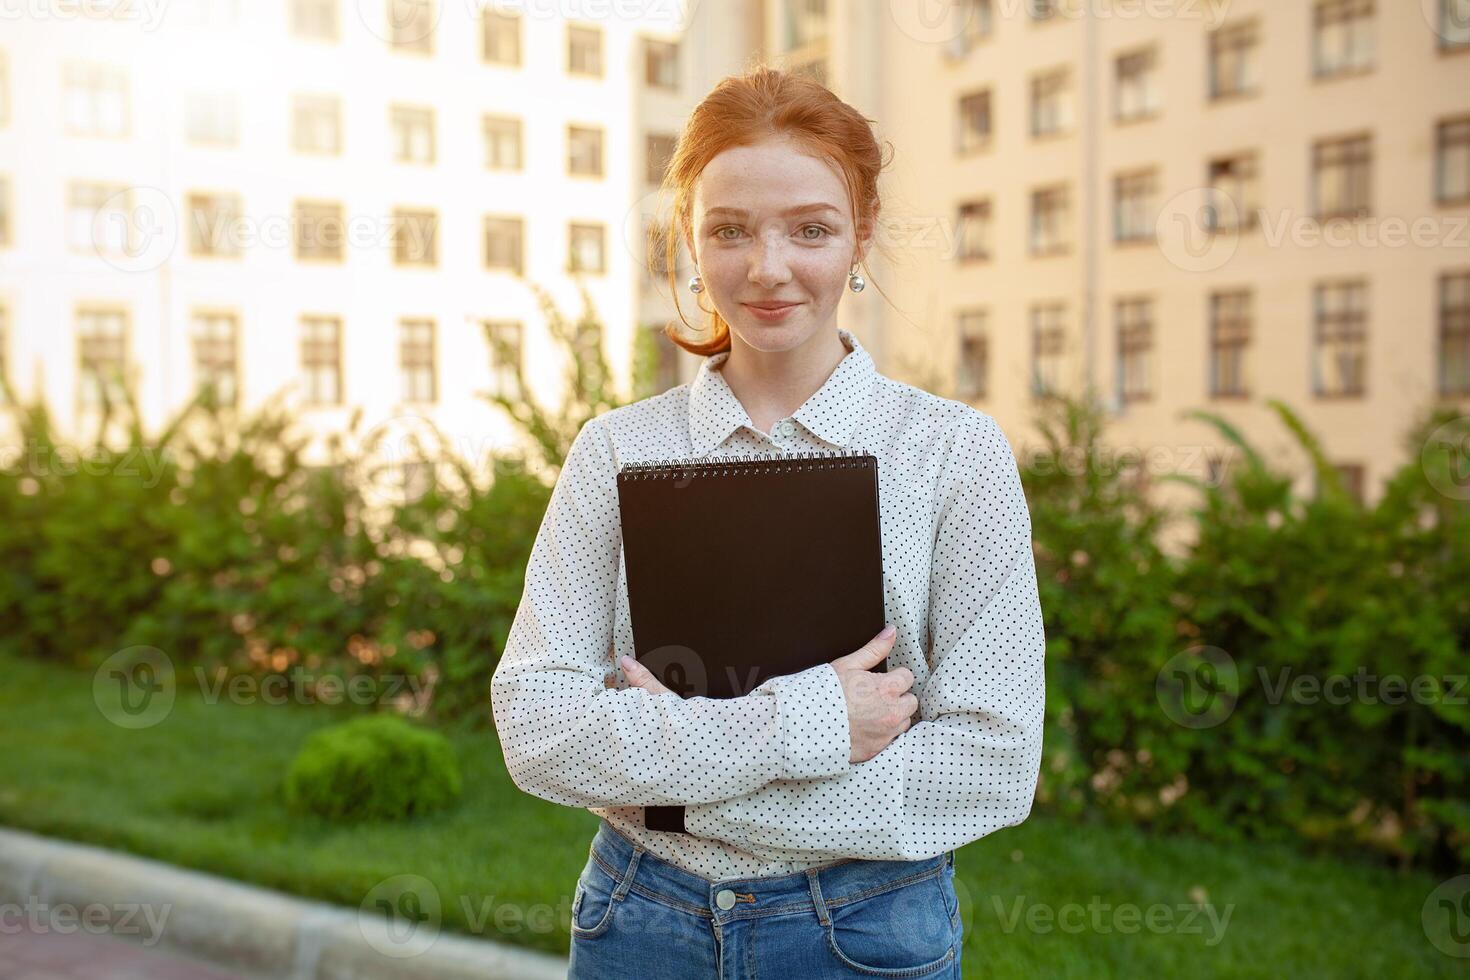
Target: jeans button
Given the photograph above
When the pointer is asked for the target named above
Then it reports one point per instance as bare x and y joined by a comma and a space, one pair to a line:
725, 899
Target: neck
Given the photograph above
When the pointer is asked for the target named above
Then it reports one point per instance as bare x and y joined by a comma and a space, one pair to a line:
772, 385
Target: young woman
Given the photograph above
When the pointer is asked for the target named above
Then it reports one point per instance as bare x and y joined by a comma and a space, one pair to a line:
825, 807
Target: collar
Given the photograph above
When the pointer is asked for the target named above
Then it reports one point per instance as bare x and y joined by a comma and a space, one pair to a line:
831, 413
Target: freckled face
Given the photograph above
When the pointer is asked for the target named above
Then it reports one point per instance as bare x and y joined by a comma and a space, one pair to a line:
753, 246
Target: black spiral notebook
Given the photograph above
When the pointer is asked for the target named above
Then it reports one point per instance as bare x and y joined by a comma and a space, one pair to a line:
744, 568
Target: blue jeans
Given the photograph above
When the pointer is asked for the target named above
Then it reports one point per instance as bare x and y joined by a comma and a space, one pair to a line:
635, 915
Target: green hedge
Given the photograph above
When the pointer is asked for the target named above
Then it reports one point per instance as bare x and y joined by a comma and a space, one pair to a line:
1244, 689
235, 558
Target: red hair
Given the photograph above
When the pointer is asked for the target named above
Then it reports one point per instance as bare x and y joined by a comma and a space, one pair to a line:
748, 108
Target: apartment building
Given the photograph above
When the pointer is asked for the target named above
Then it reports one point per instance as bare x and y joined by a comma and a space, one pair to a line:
1186, 205
333, 202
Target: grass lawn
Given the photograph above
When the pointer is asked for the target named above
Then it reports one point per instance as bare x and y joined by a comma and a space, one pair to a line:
1051, 898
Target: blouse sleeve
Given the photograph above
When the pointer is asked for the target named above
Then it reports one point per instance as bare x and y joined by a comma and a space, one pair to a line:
970, 765
570, 739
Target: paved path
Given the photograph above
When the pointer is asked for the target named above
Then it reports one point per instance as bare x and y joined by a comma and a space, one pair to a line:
80, 955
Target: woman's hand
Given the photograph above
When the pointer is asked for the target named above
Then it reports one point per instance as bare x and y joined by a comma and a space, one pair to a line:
879, 706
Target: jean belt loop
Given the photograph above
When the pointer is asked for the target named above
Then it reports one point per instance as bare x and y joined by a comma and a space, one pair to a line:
817, 903
626, 881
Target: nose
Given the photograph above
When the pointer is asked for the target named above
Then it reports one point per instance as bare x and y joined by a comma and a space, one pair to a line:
768, 261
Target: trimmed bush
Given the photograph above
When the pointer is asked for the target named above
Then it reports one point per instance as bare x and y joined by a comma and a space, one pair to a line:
378, 767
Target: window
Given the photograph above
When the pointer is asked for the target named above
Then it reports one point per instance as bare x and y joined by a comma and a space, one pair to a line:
1454, 25
585, 248
413, 134
95, 101
974, 230
1454, 334
415, 237
1135, 90
972, 130
658, 151
1353, 477
1234, 202
1230, 338
216, 358
321, 360
101, 356
315, 20
1339, 365
1135, 349
1051, 103
100, 219
411, 26
212, 119
502, 142
5, 235
806, 23
1041, 10
503, 244
503, 337
973, 375
320, 231
584, 51
1235, 60
661, 64
1342, 172
1134, 209
1342, 37
979, 19
584, 151
1050, 220
416, 360
1452, 161
316, 124
500, 38
214, 225
1048, 346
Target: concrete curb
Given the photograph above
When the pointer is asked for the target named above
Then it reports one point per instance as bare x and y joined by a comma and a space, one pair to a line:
239, 926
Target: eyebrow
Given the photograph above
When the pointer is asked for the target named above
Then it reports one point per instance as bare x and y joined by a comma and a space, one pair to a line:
799, 209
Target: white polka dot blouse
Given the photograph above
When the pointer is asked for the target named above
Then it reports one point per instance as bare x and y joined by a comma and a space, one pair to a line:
765, 779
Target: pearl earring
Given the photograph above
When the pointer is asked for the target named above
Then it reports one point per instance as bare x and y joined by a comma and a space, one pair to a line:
855, 281
696, 285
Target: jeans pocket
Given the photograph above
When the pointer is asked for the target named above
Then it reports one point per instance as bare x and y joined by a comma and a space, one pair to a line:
592, 905
905, 931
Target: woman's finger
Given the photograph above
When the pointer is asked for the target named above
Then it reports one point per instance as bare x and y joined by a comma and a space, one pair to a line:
641, 676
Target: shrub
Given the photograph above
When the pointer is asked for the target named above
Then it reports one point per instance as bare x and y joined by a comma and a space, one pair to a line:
378, 767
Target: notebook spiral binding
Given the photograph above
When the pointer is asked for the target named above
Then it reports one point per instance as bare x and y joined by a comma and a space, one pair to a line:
693, 466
